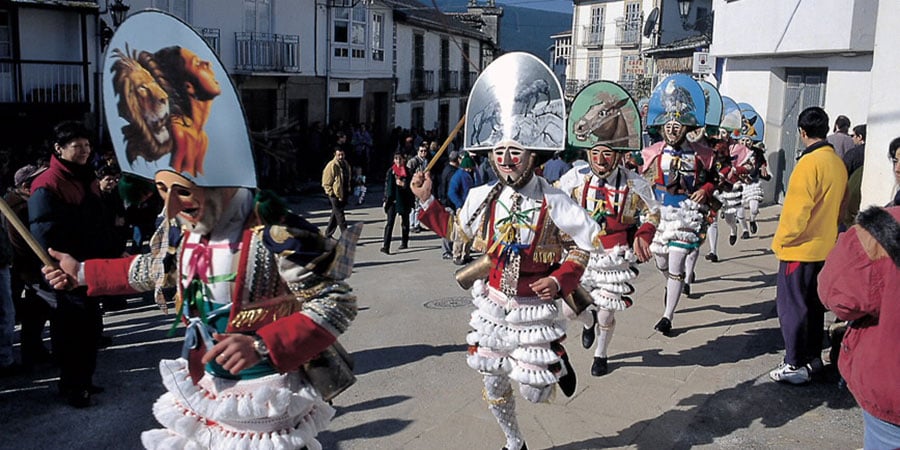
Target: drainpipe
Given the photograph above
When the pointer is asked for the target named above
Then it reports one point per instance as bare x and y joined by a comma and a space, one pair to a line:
328, 31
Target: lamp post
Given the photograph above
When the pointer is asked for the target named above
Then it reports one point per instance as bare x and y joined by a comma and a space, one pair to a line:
117, 11
703, 24
684, 10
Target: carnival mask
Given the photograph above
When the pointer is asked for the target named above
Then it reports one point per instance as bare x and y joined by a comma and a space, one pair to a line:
674, 133
198, 208
513, 164
603, 160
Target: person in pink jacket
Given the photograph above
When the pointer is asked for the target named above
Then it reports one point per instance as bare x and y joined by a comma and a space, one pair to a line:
859, 283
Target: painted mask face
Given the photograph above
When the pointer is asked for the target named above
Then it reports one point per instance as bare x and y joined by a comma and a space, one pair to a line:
603, 160
674, 133
195, 207
695, 135
513, 164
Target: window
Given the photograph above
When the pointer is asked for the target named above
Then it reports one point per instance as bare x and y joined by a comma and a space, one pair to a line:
593, 68
258, 16
5, 35
632, 16
350, 31
178, 8
595, 35
378, 37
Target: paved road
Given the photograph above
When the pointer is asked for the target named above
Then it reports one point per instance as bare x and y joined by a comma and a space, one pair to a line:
706, 387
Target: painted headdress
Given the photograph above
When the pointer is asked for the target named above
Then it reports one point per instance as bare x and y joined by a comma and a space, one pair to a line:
516, 98
170, 105
713, 107
680, 98
731, 118
604, 114
752, 125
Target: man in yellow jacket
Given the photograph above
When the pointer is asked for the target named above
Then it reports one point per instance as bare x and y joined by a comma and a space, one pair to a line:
336, 182
807, 231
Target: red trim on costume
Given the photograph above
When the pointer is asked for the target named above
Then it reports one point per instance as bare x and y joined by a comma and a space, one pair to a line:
282, 338
108, 276
569, 275
238, 288
436, 218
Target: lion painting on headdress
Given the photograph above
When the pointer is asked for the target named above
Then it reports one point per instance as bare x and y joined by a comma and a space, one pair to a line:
144, 104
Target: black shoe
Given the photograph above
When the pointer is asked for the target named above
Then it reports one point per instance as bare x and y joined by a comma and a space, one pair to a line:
523, 447
746, 235
600, 367
686, 290
79, 398
417, 229
567, 382
446, 256
753, 228
712, 257
385, 251
588, 334
459, 262
664, 326
403, 247
732, 239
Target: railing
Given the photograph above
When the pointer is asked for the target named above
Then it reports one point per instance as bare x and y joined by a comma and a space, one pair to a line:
592, 36
628, 33
212, 37
421, 82
449, 81
264, 51
42, 82
468, 78
573, 86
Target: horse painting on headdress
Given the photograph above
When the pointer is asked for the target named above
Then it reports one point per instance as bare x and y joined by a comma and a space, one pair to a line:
748, 127
606, 121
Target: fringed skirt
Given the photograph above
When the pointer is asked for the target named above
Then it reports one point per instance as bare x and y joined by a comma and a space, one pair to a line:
753, 191
679, 227
279, 411
607, 278
513, 336
731, 200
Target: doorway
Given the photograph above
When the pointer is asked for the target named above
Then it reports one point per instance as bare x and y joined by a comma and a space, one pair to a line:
803, 88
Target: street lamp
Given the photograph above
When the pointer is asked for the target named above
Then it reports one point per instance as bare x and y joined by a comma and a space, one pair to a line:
684, 9
703, 23
117, 11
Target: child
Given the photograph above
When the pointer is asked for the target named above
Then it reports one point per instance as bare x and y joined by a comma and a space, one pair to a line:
359, 185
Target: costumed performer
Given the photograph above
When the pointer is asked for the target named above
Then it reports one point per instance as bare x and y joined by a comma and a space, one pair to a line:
683, 182
752, 135
605, 123
260, 290
536, 240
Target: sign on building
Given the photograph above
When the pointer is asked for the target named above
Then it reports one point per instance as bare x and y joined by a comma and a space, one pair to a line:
703, 63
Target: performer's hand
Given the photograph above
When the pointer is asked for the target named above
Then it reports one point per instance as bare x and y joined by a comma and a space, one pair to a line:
234, 352
642, 249
699, 196
65, 276
421, 186
545, 288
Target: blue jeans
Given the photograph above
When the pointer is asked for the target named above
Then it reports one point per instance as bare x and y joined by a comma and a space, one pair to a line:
880, 435
7, 318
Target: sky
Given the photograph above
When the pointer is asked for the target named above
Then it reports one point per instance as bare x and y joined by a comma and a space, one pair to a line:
563, 6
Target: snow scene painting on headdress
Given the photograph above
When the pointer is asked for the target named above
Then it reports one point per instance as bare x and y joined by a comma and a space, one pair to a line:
680, 98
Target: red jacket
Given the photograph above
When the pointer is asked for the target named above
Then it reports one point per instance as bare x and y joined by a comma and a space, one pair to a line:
860, 282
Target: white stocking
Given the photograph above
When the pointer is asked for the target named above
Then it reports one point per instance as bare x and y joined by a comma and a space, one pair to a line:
745, 225
502, 403
732, 224
754, 209
675, 283
712, 235
606, 324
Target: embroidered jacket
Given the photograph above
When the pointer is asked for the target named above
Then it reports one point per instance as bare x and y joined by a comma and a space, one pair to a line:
677, 173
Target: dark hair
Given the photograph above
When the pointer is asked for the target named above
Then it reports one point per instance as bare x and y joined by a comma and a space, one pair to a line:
400, 154
860, 130
167, 66
892, 149
814, 121
108, 170
842, 123
68, 131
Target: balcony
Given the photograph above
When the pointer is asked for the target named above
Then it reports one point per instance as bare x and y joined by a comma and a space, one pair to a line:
211, 36
449, 81
573, 86
267, 52
592, 36
47, 82
628, 32
468, 78
421, 83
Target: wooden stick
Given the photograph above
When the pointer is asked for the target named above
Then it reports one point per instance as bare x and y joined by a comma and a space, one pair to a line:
12, 218
446, 143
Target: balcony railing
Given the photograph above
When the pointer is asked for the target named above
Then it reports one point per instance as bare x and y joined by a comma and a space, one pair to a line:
628, 32
592, 36
42, 82
449, 81
573, 86
212, 37
267, 52
468, 78
421, 82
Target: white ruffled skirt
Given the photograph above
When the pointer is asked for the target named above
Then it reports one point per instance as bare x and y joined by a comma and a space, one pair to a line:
513, 336
279, 411
731, 200
678, 227
753, 191
607, 278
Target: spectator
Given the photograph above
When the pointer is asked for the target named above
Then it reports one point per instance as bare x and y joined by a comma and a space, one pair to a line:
33, 312
859, 283
555, 168
840, 140
462, 181
142, 207
65, 212
854, 160
446, 176
398, 200
894, 156
336, 182
807, 230
417, 164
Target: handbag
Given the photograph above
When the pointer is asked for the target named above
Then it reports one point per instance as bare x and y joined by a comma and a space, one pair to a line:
331, 372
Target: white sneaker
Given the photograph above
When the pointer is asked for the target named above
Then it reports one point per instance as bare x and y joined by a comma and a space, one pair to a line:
787, 373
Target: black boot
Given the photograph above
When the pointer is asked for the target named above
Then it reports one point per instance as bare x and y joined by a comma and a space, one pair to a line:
753, 227
588, 334
732, 239
746, 235
567, 382
600, 367
664, 326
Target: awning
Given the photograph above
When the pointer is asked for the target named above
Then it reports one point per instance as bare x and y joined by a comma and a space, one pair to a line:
674, 65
